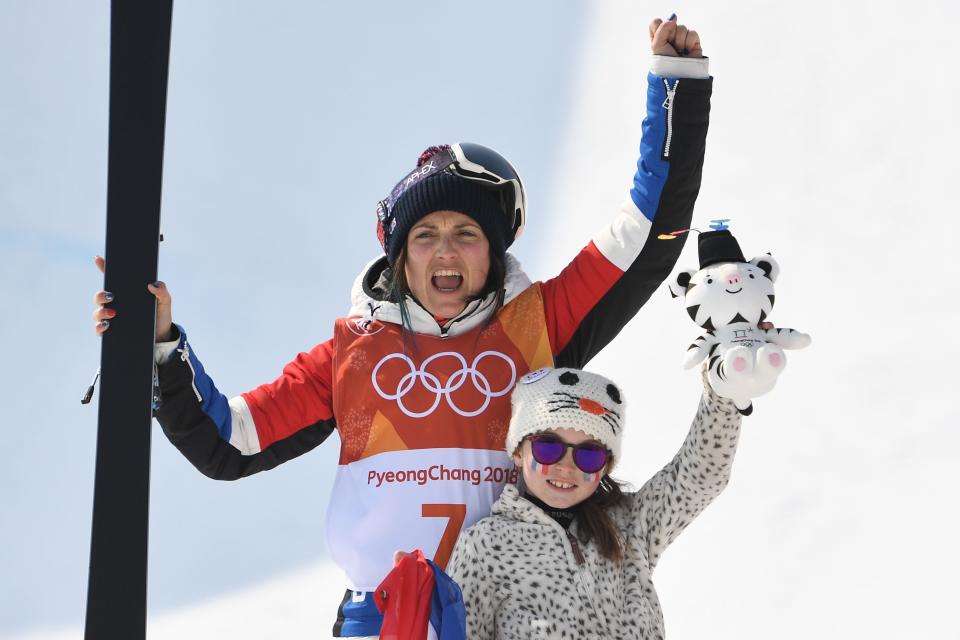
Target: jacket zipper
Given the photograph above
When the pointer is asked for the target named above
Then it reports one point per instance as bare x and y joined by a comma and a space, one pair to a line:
582, 568
157, 398
668, 105
467, 312
577, 554
185, 356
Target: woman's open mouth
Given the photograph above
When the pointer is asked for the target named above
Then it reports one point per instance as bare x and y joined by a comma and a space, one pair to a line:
446, 280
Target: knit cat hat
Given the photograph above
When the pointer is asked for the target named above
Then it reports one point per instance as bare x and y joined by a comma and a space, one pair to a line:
567, 398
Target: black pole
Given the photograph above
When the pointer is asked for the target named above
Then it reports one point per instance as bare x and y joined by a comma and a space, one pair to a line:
139, 54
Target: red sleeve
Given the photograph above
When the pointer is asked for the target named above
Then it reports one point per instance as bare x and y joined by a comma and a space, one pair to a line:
300, 397
570, 296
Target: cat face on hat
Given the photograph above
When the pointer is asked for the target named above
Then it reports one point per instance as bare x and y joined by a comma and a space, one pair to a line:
567, 399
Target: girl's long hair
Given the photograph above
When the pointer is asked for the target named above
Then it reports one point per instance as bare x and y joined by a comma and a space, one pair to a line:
594, 521
593, 517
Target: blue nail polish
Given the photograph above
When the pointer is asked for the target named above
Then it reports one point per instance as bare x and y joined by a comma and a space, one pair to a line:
108, 296
673, 16
156, 284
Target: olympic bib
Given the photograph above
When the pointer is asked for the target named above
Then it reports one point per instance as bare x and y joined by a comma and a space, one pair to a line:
427, 392
420, 499
422, 424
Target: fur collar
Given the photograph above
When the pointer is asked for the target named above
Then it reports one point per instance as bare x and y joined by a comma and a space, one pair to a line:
513, 506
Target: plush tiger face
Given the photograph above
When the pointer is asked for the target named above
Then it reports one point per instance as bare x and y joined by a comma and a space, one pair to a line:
728, 292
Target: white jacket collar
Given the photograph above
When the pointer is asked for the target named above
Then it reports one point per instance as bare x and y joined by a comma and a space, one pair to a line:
369, 292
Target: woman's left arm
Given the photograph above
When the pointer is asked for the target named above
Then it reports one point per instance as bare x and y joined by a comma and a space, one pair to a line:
592, 299
672, 498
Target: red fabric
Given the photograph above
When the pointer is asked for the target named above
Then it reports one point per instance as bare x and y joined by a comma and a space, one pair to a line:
301, 396
569, 297
404, 599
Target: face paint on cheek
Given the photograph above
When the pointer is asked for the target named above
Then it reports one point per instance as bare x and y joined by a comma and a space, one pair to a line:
535, 466
591, 477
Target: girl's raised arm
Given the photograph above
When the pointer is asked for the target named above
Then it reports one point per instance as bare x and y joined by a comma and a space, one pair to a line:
672, 498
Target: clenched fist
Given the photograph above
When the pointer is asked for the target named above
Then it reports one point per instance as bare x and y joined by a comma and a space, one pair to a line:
672, 39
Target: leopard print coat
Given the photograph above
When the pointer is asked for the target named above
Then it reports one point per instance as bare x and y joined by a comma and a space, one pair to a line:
524, 576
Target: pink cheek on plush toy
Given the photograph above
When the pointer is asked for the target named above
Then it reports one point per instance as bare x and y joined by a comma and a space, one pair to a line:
740, 364
776, 359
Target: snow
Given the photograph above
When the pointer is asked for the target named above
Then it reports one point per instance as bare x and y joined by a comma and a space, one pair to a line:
281, 607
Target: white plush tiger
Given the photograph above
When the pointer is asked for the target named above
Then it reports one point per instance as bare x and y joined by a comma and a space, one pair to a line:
729, 297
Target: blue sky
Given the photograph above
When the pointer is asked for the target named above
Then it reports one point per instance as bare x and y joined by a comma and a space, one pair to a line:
832, 144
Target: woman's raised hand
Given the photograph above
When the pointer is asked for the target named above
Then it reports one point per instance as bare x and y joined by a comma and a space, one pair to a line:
672, 39
103, 314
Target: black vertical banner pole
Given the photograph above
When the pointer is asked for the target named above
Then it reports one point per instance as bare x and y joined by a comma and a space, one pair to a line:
139, 56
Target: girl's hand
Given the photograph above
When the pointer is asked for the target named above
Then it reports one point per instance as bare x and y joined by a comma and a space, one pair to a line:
672, 39
103, 314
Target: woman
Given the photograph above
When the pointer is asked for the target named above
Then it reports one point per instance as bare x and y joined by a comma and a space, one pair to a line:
416, 380
568, 554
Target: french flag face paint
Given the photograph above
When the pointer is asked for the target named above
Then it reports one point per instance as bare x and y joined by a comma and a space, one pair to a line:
591, 477
536, 467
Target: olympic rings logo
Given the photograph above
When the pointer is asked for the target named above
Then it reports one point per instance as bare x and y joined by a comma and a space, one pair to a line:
444, 391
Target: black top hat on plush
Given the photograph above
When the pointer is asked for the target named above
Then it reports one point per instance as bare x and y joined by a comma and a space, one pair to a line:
718, 246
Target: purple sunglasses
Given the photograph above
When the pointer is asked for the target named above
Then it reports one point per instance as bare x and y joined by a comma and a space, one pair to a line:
589, 457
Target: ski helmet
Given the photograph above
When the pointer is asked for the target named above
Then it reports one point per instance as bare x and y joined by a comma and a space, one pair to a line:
463, 177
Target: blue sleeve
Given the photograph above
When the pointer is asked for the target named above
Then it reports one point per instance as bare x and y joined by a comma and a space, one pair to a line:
653, 167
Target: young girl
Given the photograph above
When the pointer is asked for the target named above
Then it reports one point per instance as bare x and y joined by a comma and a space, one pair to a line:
566, 553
